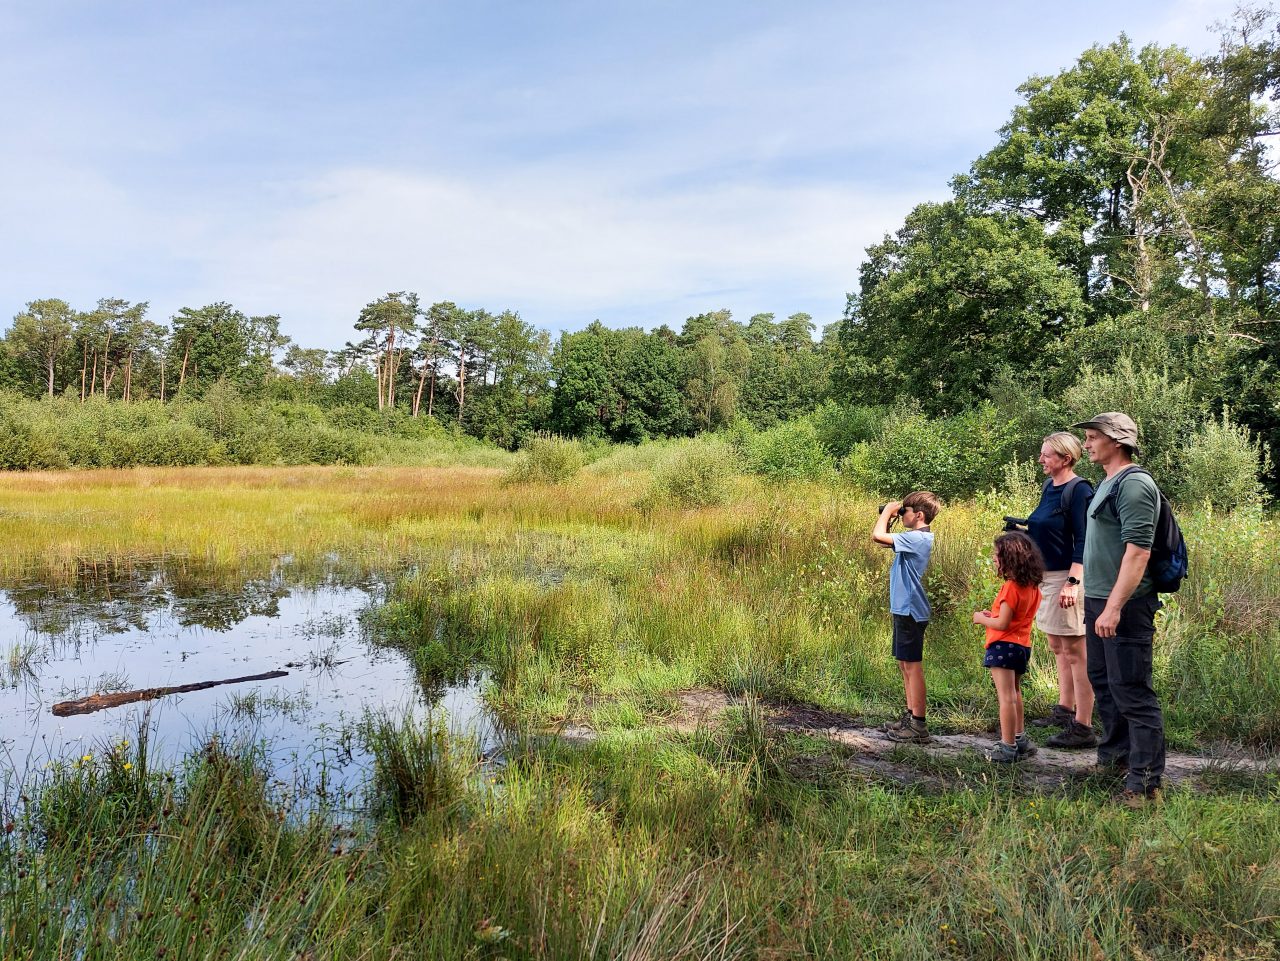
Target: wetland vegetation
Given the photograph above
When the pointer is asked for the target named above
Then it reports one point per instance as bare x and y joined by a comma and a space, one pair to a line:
1117, 247
595, 603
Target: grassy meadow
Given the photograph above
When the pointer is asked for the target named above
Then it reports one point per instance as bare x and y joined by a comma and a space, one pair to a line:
595, 602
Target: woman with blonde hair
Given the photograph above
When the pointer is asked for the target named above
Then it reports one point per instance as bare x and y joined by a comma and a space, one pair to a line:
1057, 526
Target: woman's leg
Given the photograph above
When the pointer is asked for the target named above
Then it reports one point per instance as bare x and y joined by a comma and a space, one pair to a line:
1066, 680
1006, 683
1078, 667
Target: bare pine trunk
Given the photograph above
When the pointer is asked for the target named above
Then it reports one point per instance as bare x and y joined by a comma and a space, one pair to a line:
391, 367
431, 397
417, 398
93, 379
106, 363
182, 376
84, 369
462, 381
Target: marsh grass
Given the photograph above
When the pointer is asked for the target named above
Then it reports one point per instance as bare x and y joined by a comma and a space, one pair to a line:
20, 663
256, 704
418, 769
643, 843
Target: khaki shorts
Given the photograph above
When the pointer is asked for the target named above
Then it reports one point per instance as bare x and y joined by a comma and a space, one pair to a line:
1052, 619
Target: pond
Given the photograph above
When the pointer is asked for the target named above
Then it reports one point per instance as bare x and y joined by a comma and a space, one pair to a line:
116, 628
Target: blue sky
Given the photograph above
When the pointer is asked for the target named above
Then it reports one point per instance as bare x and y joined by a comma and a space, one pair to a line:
635, 163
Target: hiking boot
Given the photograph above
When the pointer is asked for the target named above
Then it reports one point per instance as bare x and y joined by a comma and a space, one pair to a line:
1074, 736
1111, 768
1024, 746
1059, 717
911, 731
891, 726
1137, 800
1001, 753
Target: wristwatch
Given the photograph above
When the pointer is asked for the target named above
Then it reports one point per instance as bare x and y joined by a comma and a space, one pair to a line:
1073, 580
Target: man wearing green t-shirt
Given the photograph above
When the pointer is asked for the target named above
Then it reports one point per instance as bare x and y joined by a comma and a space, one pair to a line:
1120, 606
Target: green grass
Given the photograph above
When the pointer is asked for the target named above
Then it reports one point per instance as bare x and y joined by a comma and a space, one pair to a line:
587, 603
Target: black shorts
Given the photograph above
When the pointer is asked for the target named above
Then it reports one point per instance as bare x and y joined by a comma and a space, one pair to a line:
908, 638
1010, 656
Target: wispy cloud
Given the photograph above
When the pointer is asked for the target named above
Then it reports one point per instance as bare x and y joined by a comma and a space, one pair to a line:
562, 251
638, 163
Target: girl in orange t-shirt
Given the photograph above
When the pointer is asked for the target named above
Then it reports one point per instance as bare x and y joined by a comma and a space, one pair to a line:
1008, 624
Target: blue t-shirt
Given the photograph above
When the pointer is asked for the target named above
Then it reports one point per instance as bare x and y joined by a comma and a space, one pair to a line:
1061, 538
911, 550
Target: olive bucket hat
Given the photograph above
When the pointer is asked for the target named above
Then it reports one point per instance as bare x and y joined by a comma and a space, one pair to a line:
1119, 427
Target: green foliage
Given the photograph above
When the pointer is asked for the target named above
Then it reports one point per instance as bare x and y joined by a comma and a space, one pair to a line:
700, 474
220, 429
1164, 408
839, 426
620, 384
791, 451
952, 456
1220, 464
949, 300
548, 459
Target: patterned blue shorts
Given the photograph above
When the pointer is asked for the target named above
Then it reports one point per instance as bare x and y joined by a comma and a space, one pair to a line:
1010, 656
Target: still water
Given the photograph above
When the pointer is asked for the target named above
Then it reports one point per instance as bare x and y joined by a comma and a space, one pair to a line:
147, 625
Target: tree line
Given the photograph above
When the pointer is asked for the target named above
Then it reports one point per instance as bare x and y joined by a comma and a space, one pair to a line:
493, 374
1129, 211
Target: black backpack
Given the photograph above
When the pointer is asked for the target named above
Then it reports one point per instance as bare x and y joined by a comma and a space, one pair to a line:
1169, 562
1068, 489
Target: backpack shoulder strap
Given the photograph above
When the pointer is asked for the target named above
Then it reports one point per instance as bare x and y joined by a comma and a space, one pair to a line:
1114, 492
1068, 489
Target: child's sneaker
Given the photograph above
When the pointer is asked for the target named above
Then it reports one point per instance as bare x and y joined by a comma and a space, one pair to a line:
1002, 753
890, 726
910, 732
1024, 747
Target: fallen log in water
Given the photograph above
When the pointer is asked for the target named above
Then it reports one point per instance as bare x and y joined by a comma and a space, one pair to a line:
98, 702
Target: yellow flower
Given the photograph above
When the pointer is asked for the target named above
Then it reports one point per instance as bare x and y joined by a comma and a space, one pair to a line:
127, 765
87, 758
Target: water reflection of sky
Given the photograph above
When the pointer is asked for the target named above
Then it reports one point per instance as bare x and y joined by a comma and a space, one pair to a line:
154, 627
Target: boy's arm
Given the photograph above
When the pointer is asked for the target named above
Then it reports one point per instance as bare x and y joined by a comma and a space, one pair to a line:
1000, 623
880, 533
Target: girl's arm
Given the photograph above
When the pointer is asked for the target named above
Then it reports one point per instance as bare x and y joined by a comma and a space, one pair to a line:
1000, 622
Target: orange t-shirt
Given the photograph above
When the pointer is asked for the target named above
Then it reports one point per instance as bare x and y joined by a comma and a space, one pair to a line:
1025, 601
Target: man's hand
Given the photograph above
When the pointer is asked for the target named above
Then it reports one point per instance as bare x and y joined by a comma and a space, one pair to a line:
1107, 622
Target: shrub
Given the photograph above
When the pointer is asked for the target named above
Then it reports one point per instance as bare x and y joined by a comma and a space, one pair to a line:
1220, 466
1164, 409
699, 475
839, 427
953, 456
547, 460
790, 451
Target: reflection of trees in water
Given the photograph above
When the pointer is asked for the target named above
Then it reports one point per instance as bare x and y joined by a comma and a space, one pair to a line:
110, 597
116, 596
218, 609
